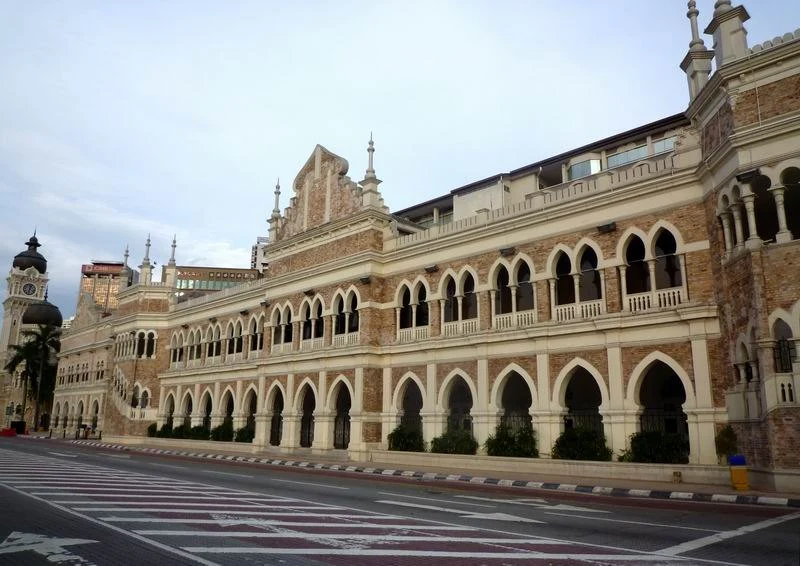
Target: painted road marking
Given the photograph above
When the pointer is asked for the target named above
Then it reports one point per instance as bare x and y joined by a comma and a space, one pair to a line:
168, 466
462, 512
342, 536
696, 544
123, 456
539, 503
661, 525
227, 474
311, 483
64, 455
50, 547
230, 512
433, 499
428, 553
272, 522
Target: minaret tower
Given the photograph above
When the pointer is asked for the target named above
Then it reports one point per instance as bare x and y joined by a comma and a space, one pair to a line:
370, 197
171, 270
275, 218
697, 63
146, 273
730, 36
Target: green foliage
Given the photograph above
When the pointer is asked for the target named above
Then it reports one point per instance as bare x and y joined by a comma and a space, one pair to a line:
726, 441
179, 431
198, 432
657, 447
223, 432
455, 442
581, 444
244, 435
404, 439
520, 443
166, 431
152, 429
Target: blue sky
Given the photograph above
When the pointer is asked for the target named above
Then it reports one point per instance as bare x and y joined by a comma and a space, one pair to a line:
123, 118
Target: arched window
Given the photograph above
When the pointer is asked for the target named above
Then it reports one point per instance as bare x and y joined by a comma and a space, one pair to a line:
256, 335
469, 304
288, 335
353, 322
524, 288
319, 322
238, 339
450, 301
145, 399
421, 314
339, 323
217, 345
502, 295
231, 339
637, 273
784, 349
277, 329
306, 322
590, 287
790, 178
140, 345
565, 284
667, 264
151, 344
406, 311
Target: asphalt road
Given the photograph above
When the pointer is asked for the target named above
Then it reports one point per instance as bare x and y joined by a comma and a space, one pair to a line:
80, 505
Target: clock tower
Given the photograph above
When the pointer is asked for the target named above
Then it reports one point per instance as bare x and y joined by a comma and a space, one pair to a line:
27, 282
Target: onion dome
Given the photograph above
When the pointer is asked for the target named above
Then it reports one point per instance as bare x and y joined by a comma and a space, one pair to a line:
43, 312
30, 257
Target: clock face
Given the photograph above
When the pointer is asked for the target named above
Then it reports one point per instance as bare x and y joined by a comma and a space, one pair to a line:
29, 288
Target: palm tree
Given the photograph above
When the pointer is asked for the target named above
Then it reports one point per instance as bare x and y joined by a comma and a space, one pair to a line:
37, 348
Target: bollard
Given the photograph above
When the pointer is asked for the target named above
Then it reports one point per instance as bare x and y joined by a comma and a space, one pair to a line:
738, 467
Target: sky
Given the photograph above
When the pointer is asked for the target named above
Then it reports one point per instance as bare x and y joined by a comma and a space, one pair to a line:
119, 119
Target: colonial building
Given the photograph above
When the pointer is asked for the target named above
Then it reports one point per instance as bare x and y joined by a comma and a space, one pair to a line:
644, 281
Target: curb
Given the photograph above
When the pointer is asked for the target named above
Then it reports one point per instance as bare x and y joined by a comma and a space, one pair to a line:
762, 500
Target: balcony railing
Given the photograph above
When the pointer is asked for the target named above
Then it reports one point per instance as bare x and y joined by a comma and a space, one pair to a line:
413, 334
576, 311
519, 319
659, 299
349, 339
278, 349
311, 344
459, 327
564, 313
254, 354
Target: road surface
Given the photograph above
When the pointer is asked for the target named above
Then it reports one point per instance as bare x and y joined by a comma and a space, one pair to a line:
79, 505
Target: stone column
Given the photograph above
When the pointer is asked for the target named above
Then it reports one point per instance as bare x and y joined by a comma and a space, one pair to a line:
737, 224
290, 435
397, 323
576, 281
726, 233
783, 235
651, 273
623, 287
749, 204
323, 431
552, 283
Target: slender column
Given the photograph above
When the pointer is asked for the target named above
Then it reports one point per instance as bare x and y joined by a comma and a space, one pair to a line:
493, 307
726, 232
750, 208
414, 315
552, 298
651, 273
576, 281
460, 311
603, 305
397, 323
783, 235
513, 289
737, 224
623, 287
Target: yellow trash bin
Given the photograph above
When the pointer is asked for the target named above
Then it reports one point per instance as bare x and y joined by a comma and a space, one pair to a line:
738, 467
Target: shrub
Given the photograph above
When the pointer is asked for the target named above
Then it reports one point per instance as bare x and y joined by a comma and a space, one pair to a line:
178, 432
455, 442
520, 443
726, 441
581, 444
198, 432
405, 439
152, 429
657, 447
244, 435
165, 431
223, 432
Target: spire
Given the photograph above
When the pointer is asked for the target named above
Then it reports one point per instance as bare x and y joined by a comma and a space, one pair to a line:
730, 35
172, 255
146, 260
125, 256
371, 151
696, 44
276, 210
722, 6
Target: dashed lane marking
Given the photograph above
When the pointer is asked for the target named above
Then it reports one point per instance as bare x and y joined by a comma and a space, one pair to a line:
310, 483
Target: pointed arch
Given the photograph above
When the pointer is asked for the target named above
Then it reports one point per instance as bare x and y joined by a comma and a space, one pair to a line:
654, 231
561, 382
273, 390
791, 319
640, 371
222, 395
587, 242
500, 382
447, 384
552, 259
333, 391
298, 399
399, 289
402, 384
624, 240
448, 274
467, 270
495, 268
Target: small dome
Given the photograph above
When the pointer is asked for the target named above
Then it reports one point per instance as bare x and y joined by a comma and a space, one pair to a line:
30, 257
42, 312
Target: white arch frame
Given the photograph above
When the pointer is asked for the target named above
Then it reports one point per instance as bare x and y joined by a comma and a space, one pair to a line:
188, 394
333, 392
269, 399
495, 397
624, 241
400, 390
562, 381
447, 384
228, 389
640, 371
552, 259
298, 400
244, 405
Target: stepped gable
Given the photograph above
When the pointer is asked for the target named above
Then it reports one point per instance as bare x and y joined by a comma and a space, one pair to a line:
322, 193
86, 313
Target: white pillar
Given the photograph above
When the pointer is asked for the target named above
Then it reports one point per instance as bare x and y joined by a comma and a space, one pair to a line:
726, 232
753, 241
783, 235
737, 224
480, 406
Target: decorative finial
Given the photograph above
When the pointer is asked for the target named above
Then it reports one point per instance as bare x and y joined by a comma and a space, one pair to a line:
34, 231
371, 151
172, 255
276, 210
46, 290
125, 256
696, 44
722, 6
147, 250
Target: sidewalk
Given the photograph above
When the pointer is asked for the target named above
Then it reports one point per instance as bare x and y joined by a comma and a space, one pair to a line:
605, 487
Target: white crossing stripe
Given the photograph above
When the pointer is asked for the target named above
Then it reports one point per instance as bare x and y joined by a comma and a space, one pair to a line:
342, 536
272, 522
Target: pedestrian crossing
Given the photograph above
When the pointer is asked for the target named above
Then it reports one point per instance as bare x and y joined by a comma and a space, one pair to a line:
220, 525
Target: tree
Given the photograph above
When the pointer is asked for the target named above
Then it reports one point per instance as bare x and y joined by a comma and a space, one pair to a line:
35, 352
